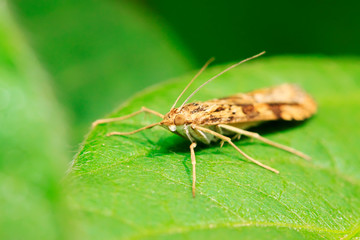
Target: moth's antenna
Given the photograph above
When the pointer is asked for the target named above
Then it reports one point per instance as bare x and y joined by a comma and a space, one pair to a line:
192, 80
219, 74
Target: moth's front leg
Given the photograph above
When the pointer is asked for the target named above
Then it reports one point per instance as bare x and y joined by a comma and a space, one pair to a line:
143, 109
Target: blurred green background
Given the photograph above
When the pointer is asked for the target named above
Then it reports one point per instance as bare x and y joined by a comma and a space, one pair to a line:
65, 63
230, 30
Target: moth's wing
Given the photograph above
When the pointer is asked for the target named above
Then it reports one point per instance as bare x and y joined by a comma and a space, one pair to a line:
286, 102
285, 93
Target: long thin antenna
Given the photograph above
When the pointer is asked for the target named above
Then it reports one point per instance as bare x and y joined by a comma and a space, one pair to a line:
192, 80
219, 74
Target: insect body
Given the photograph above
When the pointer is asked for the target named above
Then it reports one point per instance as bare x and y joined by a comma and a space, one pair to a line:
286, 102
220, 119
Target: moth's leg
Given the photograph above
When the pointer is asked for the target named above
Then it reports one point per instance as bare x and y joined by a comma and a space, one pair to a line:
236, 137
132, 132
227, 139
219, 130
143, 109
193, 162
265, 140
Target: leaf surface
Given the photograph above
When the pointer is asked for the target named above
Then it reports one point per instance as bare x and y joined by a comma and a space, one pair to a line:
139, 186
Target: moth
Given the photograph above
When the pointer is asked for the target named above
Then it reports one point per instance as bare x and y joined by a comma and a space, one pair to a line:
226, 119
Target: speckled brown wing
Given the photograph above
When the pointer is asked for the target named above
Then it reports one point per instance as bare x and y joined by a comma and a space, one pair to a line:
286, 102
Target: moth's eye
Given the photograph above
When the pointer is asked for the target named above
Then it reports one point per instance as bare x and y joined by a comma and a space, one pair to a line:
179, 120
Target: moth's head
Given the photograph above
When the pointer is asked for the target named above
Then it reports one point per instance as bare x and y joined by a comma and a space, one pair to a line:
176, 118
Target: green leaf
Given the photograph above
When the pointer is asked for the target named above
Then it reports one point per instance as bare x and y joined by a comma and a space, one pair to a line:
32, 144
100, 52
139, 186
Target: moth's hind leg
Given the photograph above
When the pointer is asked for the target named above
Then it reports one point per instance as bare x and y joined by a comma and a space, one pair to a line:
265, 140
227, 139
143, 109
237, 136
